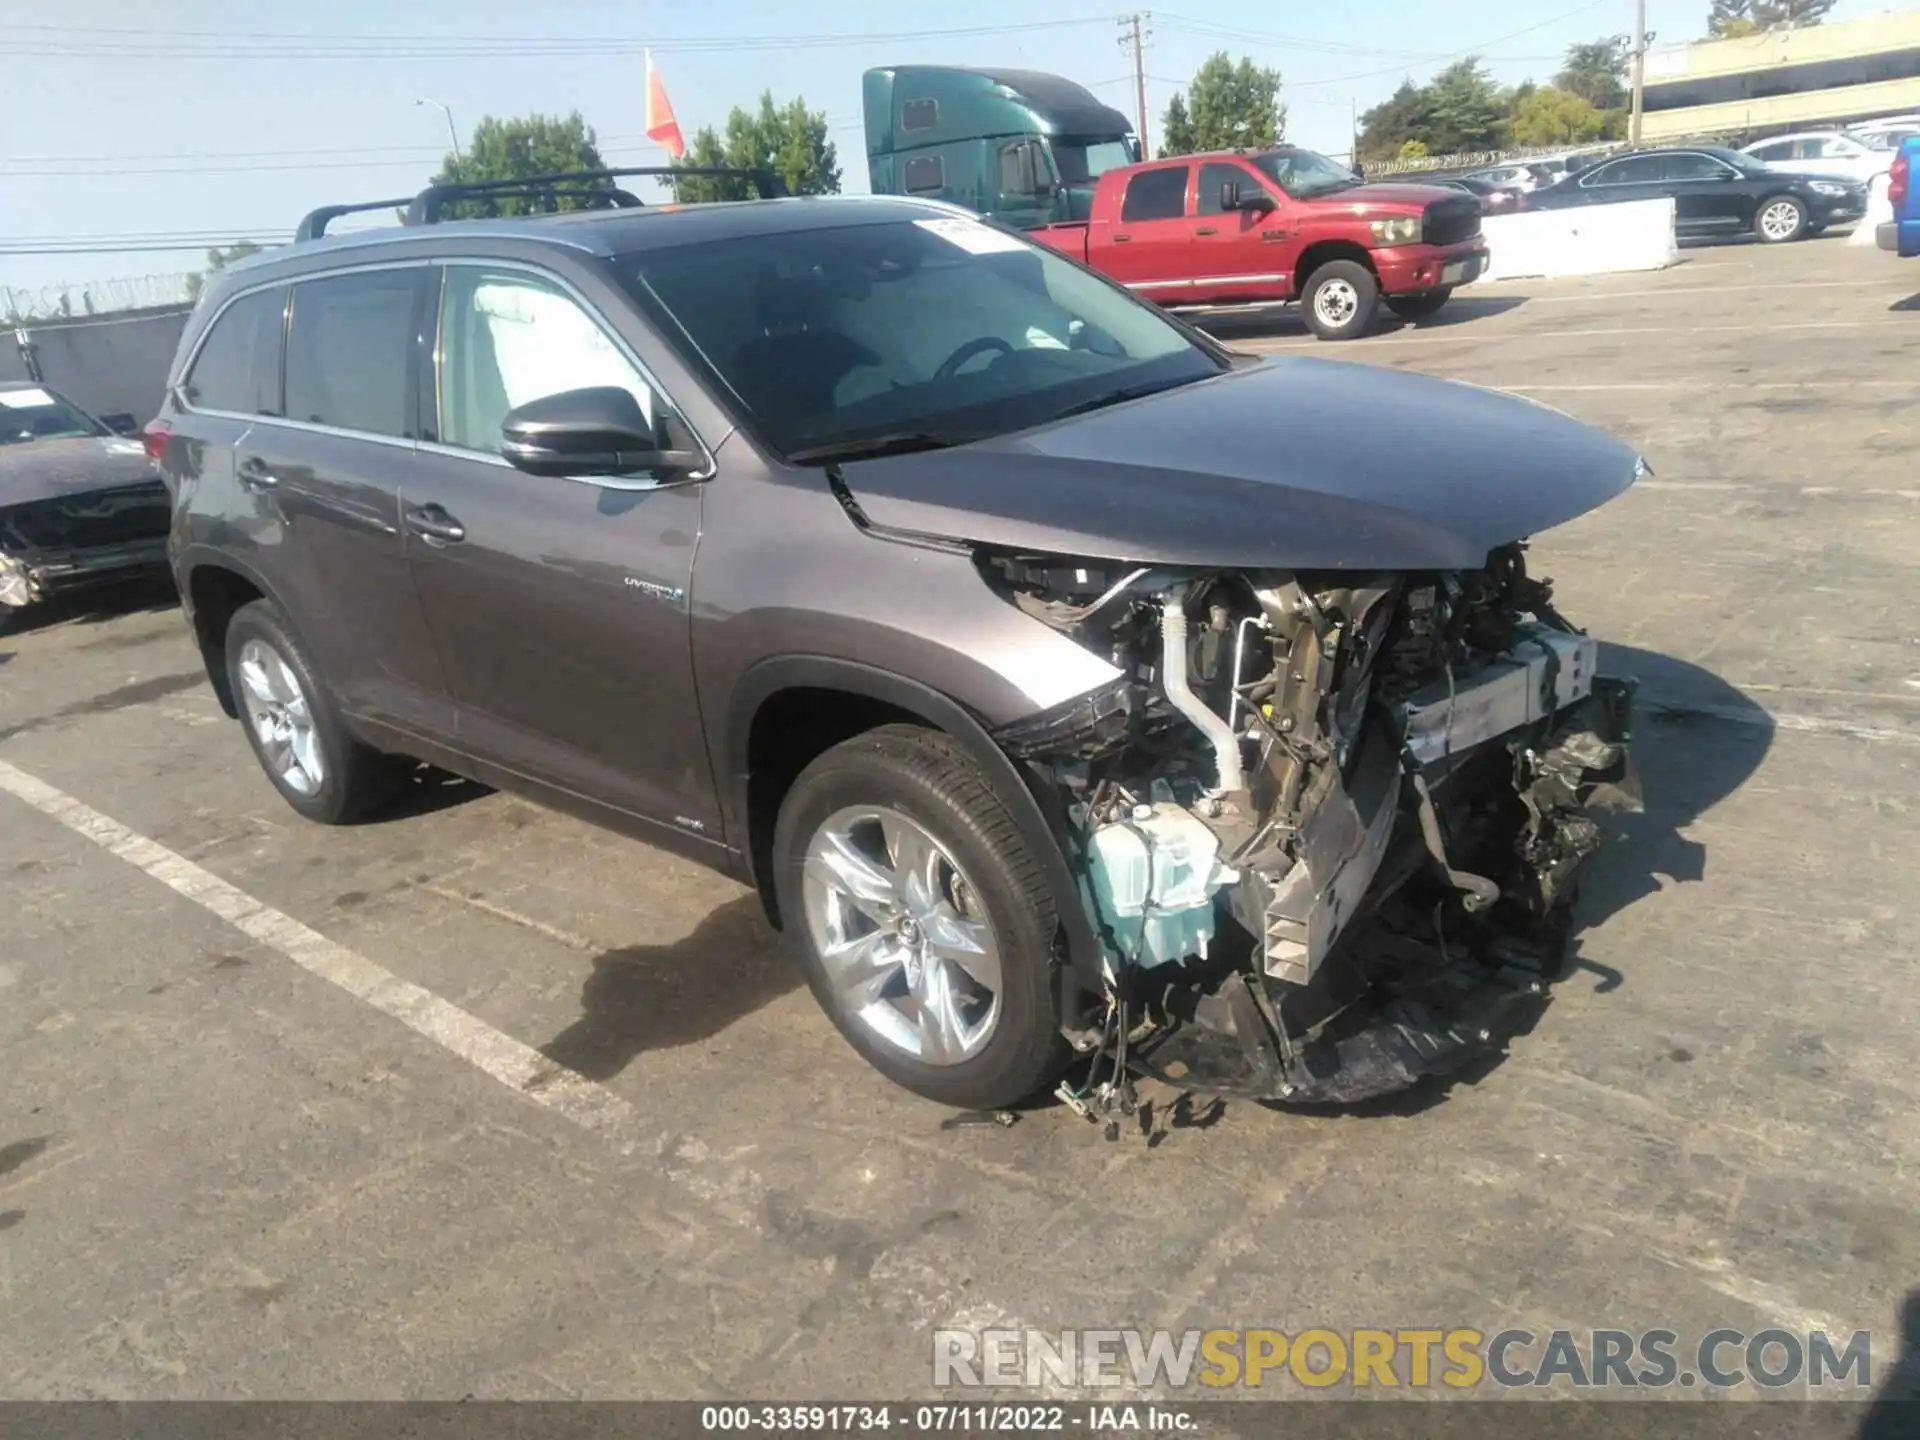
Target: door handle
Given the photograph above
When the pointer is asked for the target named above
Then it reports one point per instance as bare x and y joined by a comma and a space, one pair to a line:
254, 475
435, 526
1121, 239
1206, 230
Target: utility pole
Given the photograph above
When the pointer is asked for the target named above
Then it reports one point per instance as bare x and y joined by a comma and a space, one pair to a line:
452, 134
1639, 70
1134, 37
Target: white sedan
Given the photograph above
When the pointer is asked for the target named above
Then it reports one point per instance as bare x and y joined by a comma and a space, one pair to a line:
1822, 152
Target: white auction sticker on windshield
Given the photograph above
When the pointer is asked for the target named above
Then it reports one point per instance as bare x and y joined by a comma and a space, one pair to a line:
24, 399
972, 237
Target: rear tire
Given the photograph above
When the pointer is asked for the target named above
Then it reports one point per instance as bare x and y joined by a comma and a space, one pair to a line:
1419, 307
1340, 299
1780, 219
891, 854
295, 729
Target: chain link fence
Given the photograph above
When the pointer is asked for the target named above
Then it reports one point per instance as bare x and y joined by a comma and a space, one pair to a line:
95, 297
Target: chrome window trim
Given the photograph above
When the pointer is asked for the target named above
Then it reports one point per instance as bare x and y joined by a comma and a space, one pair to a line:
608, 482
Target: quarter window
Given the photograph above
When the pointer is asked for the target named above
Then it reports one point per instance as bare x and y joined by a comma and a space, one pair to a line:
238, 367
349, 351
1156, 195
506, 338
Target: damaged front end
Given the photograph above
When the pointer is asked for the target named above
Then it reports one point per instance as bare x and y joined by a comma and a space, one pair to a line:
1327, 825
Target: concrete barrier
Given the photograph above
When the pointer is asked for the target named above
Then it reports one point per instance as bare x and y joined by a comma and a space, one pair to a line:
1591, 240
1879, 212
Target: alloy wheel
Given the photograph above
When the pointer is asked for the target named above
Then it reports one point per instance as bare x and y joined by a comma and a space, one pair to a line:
281, 718
902, 935
1780, 219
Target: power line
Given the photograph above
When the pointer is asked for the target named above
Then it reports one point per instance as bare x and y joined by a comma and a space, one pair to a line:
1457, 54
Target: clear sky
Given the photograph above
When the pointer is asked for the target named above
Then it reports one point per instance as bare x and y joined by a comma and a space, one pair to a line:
216, 117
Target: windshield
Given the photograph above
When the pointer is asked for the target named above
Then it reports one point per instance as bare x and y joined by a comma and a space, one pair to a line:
30, 415
943, 326
1081, 161
1303, 174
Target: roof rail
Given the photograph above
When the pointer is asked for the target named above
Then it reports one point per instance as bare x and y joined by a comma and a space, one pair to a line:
314, 224
426, 208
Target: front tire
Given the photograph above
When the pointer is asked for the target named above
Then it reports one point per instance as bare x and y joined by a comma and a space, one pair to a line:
297, 735
1419, 307
922, 919
1780, 219
1340, 300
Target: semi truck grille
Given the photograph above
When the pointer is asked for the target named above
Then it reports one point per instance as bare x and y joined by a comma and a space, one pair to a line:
1450, 221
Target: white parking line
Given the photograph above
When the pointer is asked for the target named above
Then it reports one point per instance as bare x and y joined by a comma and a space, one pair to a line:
517, 1066
1798, 285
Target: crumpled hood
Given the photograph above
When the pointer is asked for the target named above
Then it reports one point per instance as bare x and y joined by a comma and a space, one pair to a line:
45, 469
1294, 464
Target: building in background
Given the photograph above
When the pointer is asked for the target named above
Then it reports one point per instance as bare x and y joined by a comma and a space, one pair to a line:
1784, 79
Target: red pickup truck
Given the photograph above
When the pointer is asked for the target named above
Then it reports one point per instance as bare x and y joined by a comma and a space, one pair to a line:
1279, 225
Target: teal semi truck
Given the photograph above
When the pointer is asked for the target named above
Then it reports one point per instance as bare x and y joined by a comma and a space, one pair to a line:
1021, 146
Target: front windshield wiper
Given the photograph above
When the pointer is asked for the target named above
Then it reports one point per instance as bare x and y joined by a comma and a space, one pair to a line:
902, 442
1120, 397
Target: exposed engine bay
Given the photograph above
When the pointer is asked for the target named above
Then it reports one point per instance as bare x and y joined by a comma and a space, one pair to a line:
1327, 826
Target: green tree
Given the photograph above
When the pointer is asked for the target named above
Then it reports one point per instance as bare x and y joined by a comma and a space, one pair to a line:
518, 148
1176, 128
1467, 113
1596, 71
1233, 107
790, 140
1555, 117
1789, 14
1405, 115
1730, 19
218, 259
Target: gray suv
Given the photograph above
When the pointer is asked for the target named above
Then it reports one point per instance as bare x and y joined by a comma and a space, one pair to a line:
1067, 685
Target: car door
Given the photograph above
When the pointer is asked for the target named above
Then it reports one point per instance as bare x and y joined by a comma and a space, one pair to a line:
1631, 177
1709, 196
1239, 254
1148, 247
561, 607
323, 477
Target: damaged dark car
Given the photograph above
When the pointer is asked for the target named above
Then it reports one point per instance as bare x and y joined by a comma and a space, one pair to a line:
79, 502
1085, 700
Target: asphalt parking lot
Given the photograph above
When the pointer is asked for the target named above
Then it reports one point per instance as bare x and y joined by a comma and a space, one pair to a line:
480, 1101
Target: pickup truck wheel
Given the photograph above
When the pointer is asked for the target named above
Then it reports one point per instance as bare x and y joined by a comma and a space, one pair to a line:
1780, 219
921, 919
1419, 307
297, 735
1340, 299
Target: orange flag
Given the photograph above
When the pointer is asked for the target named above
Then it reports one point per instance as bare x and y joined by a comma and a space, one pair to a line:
662, 128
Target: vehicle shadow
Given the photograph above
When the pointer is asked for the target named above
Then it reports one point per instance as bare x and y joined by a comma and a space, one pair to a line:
146, 594
1276, 322
1912, 302
1696, 740
426, 790
657, 997
1895, 1411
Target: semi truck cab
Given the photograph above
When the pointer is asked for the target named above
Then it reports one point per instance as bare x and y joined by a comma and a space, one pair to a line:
1024, 147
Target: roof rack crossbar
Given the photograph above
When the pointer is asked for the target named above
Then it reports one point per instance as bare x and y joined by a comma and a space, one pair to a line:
314, 224
426, 207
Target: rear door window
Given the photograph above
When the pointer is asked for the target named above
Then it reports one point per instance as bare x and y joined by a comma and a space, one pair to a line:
238, 367
1156, 195
1692, 167
1634, 170
350, 350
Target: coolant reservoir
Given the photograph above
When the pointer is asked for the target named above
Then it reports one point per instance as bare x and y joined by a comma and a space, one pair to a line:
1154, 877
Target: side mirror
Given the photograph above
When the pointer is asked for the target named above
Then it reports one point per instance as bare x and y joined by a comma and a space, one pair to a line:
1235, 196
600, 430
1728, 176
121, 423
1359, 171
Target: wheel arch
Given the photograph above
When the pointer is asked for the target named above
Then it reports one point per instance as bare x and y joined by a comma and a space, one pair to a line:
214, 586
1321, 252
762, 752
